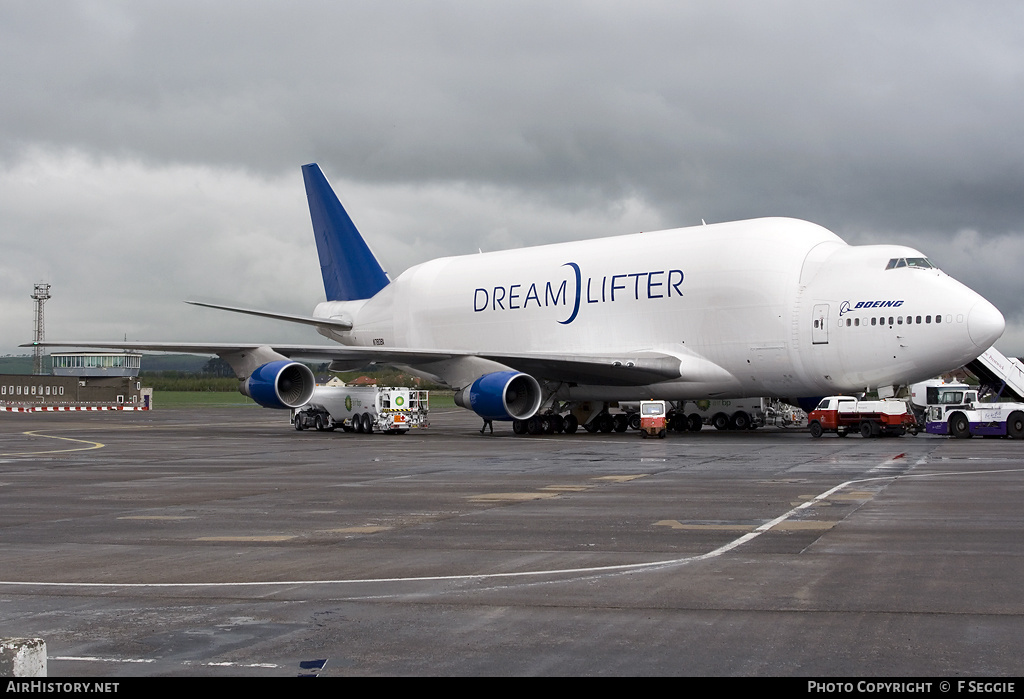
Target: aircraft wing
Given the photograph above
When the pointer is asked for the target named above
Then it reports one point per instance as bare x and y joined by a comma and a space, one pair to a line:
323, 353
638, 368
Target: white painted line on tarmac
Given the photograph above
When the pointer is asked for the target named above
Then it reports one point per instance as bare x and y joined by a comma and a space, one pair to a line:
97, 659
93, 659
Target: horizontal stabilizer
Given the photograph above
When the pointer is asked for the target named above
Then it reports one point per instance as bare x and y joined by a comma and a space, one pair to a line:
332, 323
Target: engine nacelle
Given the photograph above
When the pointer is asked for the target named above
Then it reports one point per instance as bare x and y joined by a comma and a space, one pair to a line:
282, 384
503, 395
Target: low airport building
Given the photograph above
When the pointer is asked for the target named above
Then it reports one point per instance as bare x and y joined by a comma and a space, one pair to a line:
79, 380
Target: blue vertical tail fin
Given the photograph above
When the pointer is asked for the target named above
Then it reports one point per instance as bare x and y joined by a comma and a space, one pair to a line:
349, 268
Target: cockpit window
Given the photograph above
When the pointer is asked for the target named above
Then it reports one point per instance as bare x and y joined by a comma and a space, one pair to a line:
921, 262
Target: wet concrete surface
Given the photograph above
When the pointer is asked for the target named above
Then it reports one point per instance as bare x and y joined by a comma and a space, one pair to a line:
220, 542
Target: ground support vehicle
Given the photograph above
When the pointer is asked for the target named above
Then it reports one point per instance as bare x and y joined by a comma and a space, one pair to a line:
781, 414
731, 414
363, 409
954, 409
876, 418
652, 419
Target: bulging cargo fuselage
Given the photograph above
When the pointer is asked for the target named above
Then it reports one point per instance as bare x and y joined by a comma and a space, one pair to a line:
762, 307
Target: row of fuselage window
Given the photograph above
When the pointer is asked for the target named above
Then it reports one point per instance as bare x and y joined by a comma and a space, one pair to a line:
898, 320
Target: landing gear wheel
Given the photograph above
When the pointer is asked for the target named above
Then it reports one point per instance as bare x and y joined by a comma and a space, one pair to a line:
621, 422
519, 426
694, 422
571, 424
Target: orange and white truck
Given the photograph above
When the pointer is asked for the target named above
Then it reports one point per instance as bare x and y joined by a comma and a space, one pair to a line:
871, 418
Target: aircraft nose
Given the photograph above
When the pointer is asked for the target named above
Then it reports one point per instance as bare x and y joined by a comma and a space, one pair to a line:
985, 324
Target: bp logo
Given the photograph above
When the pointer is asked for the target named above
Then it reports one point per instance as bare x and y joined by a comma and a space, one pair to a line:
399, 401
703, 404
348, 403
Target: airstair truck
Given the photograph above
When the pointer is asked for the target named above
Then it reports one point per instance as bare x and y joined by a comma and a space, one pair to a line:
1002, 375
363, 409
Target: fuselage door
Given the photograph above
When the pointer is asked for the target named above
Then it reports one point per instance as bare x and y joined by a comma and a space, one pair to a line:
819, 324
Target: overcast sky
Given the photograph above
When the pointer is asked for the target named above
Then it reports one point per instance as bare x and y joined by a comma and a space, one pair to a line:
150, 151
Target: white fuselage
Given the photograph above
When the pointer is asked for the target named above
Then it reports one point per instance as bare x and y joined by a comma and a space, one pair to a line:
752, 308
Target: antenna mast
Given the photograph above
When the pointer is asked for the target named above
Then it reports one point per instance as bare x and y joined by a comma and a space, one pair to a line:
41, 294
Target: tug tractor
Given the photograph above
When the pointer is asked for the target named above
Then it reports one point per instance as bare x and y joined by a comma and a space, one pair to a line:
652, 418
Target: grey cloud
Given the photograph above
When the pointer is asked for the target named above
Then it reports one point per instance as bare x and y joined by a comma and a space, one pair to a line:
878, 120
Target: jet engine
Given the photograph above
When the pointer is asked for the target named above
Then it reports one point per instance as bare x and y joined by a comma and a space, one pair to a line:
281, 384
502, 395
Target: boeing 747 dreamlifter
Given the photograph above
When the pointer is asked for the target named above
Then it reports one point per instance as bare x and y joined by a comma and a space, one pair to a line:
765, 307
